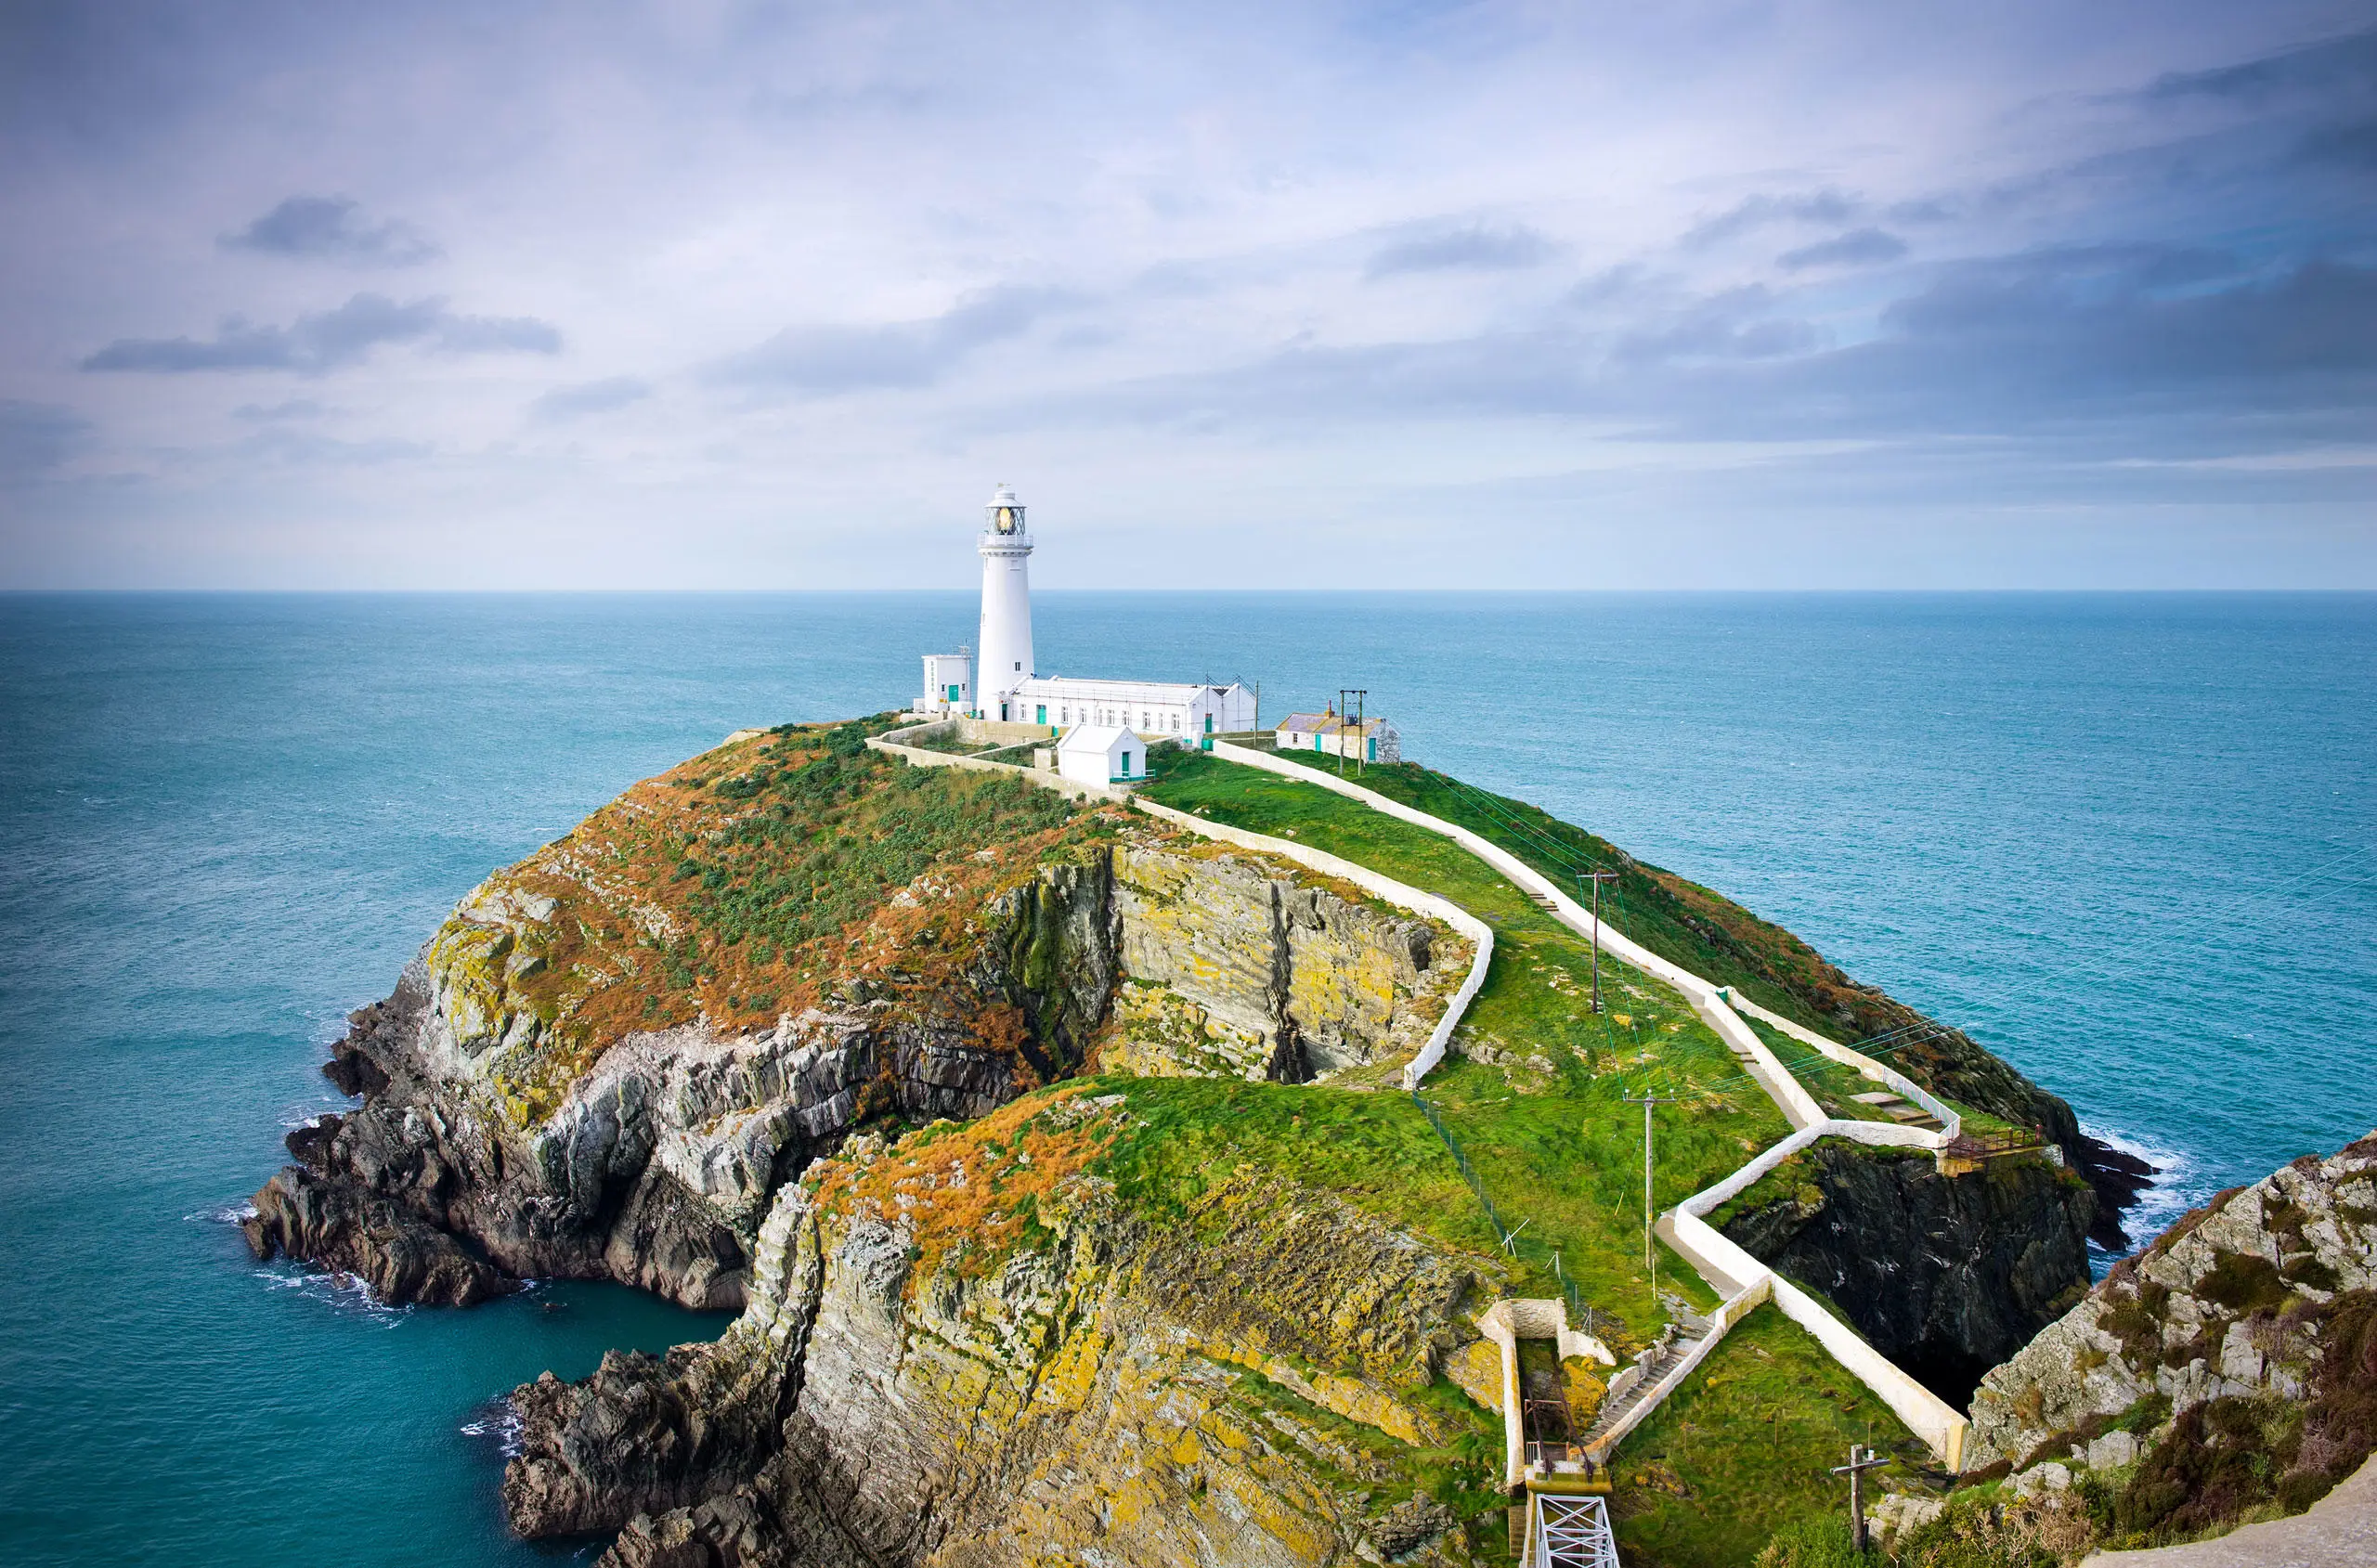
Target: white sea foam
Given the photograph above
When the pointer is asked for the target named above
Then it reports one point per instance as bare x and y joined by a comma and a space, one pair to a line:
344, 1293
222, 1214
497, 1422
2177, 1185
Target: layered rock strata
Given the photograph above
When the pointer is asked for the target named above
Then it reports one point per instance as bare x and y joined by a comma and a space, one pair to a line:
497, 1141
1112, 1390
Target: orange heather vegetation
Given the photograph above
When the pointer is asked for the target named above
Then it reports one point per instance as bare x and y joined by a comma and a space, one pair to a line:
974, 1189
753, 879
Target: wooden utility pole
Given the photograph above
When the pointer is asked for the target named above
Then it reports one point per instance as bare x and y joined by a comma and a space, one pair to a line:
1650, 1259
1596, 878
1855, 1470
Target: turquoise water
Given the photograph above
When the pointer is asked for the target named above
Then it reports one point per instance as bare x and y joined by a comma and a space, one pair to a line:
2129, 841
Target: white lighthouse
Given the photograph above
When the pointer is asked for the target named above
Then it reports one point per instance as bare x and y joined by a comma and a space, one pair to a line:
1007, 689
1005, 643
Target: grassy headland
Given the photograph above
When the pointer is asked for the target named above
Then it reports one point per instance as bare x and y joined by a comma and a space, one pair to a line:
1714, 937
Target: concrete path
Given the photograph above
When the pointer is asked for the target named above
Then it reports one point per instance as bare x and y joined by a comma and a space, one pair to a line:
1940, 1425
2340, 1531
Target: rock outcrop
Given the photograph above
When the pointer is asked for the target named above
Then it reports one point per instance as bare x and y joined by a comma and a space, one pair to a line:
1236, 970
1089, 1385
2230, 1366
1946, 1276
505, 1131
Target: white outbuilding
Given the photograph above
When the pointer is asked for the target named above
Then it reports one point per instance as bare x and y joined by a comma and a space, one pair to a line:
1102, 755
1329, 732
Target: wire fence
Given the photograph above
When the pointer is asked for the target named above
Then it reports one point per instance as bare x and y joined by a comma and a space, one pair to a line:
1582, 1315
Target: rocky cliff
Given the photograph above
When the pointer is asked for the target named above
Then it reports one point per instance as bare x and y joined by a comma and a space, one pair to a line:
2227, 1372
788, 1030
614, 1054
983, 1345
1712, 935
1946, 1276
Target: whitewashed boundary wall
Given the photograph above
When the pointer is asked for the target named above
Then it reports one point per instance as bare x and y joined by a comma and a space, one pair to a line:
1717, 1259
1369, 881
1394, 892
1798, 1106
890, 740
1745, 1282
1950, 1124
1925, 1414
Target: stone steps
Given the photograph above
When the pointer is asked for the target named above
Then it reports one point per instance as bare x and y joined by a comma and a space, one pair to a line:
1639, 1381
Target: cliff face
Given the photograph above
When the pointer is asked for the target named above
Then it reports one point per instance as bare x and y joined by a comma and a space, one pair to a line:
2229, 1367
505, 1132
1945, 1275
1710, 935
1044, 1374
1236, 971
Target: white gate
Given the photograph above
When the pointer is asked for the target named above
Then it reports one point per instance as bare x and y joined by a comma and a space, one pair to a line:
1568, 1532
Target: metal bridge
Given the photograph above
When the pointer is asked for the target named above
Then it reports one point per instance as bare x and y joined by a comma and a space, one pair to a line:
1567, 1531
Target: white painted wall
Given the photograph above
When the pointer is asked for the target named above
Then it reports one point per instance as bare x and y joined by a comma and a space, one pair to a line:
1101, 754
1005, 650
1744, 1279
1394, 892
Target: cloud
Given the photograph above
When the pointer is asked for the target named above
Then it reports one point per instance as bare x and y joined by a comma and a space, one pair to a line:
1609, 285
332, 340
2343, 67
2351, 145
1730, 325
332, 228
1479, 248
1827, 206
2083, 355
1859, 247
2093, 353
294, 449
35, 438
821, 362
590, 397
290, 408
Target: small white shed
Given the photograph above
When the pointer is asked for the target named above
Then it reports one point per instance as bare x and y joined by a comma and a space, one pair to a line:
1102, 755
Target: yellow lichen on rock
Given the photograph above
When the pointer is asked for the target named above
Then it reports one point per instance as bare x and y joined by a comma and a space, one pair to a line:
1586, 1391
1476, 1370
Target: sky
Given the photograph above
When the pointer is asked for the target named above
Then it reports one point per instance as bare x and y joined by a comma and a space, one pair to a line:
1688, 295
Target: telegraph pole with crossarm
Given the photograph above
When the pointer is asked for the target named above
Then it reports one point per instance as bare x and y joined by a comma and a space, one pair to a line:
1596, 878
1855, 1470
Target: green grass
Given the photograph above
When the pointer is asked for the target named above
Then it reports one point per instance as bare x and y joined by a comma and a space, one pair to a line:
1715, 938
1833, 1086
1745, 1447
1544, 1122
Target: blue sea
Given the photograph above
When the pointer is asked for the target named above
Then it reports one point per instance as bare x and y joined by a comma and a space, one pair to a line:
2129, 842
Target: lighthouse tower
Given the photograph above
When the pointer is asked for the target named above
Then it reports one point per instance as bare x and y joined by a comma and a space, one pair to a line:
1006, 641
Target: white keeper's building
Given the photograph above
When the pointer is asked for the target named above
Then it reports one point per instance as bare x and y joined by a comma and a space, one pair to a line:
1009, 687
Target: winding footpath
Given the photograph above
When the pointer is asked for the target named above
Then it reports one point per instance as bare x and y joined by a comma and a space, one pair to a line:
1739, 1280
